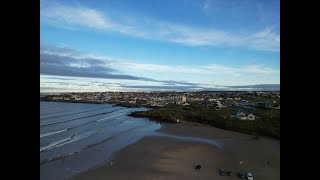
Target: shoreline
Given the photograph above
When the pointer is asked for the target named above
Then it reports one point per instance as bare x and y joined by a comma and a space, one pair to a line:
168, 158
177, 115
97, 102
177, 146
78, 101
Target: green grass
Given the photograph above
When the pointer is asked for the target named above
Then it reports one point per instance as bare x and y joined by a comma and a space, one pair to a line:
267, 125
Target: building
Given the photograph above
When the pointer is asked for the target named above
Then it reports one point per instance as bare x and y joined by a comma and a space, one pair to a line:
57, 98
186, 104
183, 99
251, 117
214, 105
178, 99
242, 116
276, 105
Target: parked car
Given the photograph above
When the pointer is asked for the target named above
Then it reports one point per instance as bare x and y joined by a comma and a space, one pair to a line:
249, 176
229, 173
241, 175
197, 167
222, 172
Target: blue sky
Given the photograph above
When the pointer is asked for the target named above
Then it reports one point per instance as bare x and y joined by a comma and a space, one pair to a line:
147, 45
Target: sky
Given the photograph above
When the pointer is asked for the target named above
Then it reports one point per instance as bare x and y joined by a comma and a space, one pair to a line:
159, 45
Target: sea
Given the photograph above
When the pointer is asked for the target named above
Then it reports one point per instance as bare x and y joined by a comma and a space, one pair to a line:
76, 137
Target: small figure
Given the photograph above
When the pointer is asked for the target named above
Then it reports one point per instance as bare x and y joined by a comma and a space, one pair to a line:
268, 163
111, 163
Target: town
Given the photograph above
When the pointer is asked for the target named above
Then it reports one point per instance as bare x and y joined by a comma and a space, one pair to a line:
210, 99
256, 112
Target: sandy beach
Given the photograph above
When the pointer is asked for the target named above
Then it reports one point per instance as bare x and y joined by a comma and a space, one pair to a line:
155, 157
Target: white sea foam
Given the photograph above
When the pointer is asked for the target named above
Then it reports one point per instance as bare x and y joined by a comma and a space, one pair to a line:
111, 117
50, 146
51, 133
74, 139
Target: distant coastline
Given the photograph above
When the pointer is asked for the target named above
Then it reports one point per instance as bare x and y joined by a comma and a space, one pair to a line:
73, 101
127, 105
267, 124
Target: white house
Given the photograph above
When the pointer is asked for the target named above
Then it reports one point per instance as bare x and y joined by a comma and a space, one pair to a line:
215, 105
242, 116
57, 98
251, 117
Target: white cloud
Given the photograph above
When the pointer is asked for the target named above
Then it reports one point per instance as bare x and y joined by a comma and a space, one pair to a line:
237, 71
81, 16
158, 68
75, 16
213, 69
127, 65
64, 50
265, 39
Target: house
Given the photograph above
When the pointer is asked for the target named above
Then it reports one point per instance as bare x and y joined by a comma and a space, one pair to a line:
251, 117
178, 99
276, 105
57, 98
240, 115
183, 99
215, 105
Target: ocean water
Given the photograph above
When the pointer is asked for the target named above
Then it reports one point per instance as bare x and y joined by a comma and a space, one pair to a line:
75, 137
69, 128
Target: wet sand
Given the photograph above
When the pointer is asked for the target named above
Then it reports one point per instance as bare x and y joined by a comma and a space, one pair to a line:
168, 158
